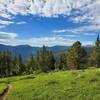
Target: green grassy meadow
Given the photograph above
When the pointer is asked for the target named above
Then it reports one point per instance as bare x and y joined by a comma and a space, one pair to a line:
62, 85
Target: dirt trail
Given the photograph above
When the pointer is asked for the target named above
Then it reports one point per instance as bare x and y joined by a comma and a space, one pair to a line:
5, 93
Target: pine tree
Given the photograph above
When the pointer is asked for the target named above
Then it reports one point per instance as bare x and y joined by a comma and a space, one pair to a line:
16, 68
42, 59
76, 56
31, 64
45, 60
5, 63
63, 62
8, 63
19, 65
50, 61
94, 59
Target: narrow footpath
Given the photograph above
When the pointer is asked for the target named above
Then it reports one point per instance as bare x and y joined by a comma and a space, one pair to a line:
5, 93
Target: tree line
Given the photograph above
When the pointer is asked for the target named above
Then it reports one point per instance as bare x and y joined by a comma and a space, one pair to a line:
76, 57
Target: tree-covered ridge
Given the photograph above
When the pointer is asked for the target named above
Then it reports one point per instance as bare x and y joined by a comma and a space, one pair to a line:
75, 58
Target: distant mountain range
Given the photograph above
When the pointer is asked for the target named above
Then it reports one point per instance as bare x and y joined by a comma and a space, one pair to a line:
26, 50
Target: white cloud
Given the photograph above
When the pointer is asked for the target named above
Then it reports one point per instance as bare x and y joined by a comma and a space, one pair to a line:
84, 9
5, 22
83, 30
68, 35
5, 36
59, 31
36, 41
22, 22
40, 41
47, 8
88, 43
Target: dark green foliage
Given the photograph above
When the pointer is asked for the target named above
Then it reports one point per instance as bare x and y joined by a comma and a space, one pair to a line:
94, 59
63, 62
31, 66
19, 64
76, 56
5, 63
16, 68
93, 80
45, 60
9, 65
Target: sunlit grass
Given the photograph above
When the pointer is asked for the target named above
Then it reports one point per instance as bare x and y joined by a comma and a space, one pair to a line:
63, 85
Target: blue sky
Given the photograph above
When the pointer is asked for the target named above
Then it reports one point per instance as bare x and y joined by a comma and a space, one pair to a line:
49, 22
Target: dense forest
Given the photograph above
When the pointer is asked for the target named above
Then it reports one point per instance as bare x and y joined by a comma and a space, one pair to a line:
75, 58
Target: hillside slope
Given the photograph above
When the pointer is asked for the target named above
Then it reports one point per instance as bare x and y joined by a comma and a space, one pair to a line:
65, 85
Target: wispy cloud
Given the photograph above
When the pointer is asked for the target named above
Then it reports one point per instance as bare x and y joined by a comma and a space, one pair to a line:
68, 35
10, 39
82, 30
5, 22
5, 36
60, 31
22, 22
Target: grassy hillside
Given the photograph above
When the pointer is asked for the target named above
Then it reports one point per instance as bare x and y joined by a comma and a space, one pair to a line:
65, 85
